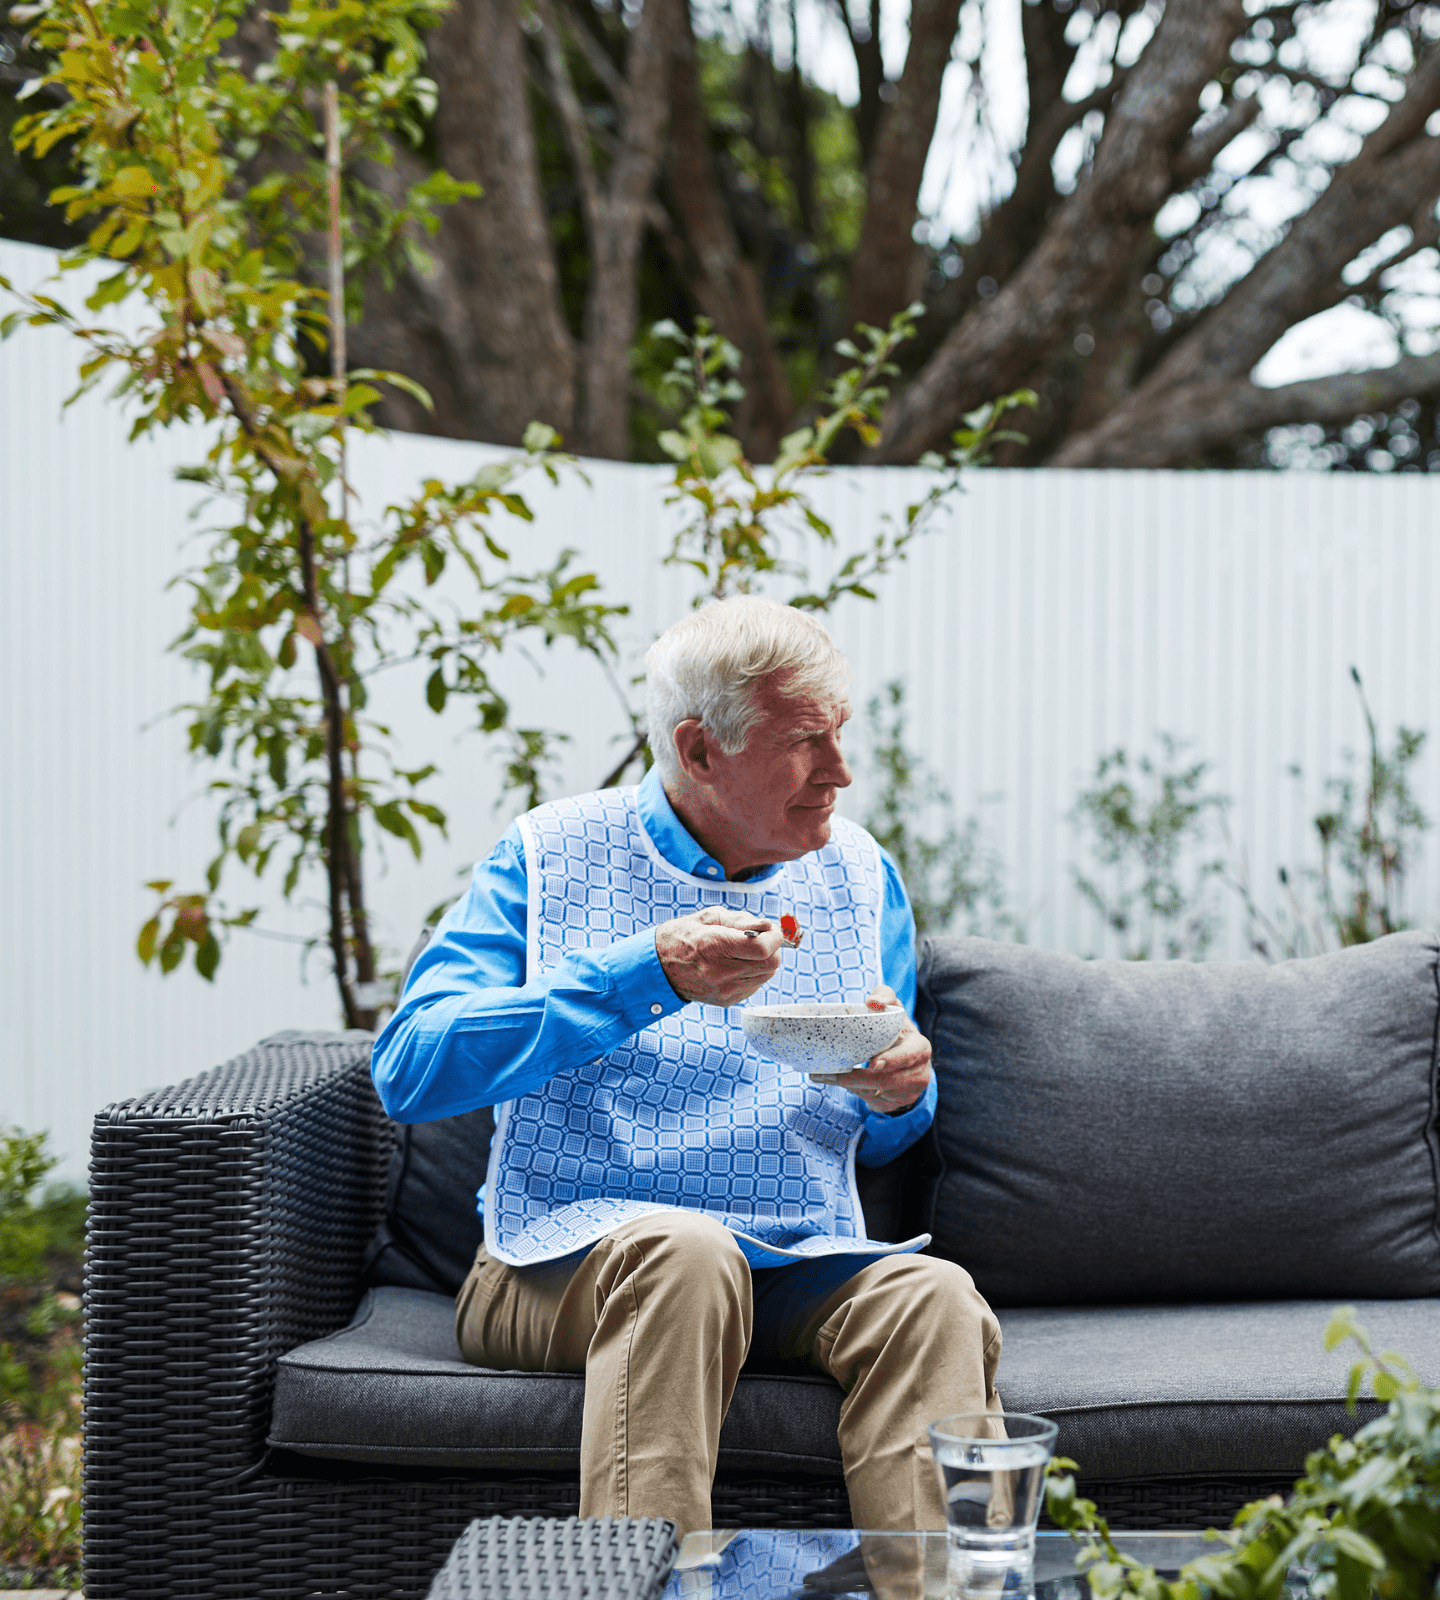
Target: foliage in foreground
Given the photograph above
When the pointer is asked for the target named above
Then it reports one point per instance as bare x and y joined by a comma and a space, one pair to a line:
41, 1240
1363, 1521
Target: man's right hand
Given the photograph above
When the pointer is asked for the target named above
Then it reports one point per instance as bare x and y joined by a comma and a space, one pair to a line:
718, 957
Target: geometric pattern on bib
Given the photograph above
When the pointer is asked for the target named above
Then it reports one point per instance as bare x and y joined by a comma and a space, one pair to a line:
684, 1114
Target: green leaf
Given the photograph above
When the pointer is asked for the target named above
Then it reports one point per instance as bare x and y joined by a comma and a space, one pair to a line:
437, 691
540, 436
207, 957
432, 814
393, 820
1340, 1326
145, 944
396, 380
172, 952
717, 453
159, 885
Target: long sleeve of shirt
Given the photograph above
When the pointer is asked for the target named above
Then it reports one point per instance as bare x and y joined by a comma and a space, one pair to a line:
470, 1031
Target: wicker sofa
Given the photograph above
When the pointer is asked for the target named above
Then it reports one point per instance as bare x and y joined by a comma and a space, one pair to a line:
1162, 1175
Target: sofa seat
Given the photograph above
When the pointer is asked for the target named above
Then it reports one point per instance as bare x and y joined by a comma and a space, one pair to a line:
392, 1389
1140, 1392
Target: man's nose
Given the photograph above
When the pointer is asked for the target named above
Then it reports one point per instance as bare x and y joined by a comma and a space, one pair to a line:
835, 772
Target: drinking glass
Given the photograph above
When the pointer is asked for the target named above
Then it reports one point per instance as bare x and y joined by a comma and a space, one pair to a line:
991, 1467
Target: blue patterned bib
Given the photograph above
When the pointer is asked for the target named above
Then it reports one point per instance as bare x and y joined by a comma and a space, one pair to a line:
685, 1114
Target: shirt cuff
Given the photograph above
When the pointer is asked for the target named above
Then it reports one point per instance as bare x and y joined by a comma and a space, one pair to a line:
887, 1135
639, 980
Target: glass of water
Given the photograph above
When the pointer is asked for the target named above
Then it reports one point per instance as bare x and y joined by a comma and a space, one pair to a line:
991, 1466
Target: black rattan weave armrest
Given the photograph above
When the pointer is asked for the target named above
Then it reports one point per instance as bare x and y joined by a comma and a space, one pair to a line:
599, 1558
229, 1217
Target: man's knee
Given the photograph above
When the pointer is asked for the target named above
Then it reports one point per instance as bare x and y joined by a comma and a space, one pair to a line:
935, 1299
689, 1251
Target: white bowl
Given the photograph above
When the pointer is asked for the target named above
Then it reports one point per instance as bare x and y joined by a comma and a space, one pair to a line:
821, 1038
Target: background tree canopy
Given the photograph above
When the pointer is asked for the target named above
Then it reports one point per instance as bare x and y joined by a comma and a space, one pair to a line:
1188, 181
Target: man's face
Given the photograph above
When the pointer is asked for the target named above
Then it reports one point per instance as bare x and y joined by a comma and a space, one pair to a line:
780, 790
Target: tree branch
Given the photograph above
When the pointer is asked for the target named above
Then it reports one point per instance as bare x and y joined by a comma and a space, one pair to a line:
1191, 421
1198, 154
1088, 243
1299, 277
596, 56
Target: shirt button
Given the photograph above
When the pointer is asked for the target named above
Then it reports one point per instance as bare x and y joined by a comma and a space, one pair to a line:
655, 1010
713, 871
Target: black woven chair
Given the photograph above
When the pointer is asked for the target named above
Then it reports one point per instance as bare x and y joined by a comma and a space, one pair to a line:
229, 1220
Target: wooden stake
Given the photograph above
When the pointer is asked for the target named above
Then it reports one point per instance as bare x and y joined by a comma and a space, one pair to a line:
338, 357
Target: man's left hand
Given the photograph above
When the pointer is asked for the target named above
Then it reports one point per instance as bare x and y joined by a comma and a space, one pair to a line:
896, 1078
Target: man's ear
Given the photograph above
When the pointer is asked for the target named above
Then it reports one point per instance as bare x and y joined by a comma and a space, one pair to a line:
692, 746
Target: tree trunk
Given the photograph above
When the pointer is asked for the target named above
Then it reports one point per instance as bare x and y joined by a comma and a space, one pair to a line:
717, 274
485, 332
880, 278
612, 301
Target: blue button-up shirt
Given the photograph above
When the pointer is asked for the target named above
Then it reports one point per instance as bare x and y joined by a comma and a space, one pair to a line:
471, 1031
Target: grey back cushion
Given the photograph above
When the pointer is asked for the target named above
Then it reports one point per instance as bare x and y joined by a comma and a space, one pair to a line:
1134, 1131
431, 1227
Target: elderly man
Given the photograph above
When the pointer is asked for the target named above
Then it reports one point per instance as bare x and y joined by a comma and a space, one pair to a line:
660, 1202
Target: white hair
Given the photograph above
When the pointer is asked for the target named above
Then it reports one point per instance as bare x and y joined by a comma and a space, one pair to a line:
710, 666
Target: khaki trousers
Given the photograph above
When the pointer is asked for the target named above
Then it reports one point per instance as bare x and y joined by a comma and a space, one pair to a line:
659, 1316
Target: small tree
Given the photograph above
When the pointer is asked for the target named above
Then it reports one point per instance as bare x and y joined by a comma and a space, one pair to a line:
955, 878
171, 131
1369, 834
742, 525
1142, 818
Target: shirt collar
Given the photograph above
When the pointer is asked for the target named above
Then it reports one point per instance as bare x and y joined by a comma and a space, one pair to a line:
673, 840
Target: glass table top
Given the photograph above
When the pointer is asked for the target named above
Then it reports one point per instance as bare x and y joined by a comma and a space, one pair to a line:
791, 1564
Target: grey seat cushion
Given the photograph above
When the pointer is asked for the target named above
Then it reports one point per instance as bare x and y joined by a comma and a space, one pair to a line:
1139, 1392
1198, 1390
392, 1388
1142, 1131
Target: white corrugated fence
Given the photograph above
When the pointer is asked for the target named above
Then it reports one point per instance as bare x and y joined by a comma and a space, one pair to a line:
1052, 617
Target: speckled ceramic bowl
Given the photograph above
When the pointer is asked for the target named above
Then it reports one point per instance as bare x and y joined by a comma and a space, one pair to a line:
821, 1038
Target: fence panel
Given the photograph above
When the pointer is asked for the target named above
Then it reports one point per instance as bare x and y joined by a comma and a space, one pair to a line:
1050, 618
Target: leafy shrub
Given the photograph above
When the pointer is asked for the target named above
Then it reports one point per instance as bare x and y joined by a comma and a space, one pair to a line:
1144, 819
40, 1504
953, 877
41, 1241
1369, 833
